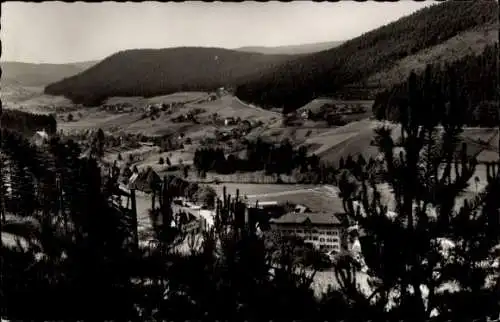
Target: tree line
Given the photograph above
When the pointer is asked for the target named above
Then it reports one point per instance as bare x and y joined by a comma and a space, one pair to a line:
28, 123
277, 159
473, 80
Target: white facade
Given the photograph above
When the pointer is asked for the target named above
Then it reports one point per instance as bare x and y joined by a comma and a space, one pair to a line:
327, 238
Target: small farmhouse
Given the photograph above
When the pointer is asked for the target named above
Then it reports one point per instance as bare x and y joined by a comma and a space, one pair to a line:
145, 181
40, 138
229, 121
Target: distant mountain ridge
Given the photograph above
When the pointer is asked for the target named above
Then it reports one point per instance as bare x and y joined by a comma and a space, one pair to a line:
327, 73
152, 72
42, 74
283, 81
292, 49
29, 74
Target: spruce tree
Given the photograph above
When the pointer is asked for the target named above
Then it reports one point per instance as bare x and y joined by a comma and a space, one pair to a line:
404, 251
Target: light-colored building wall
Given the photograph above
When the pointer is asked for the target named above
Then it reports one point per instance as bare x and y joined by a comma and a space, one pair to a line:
327, 238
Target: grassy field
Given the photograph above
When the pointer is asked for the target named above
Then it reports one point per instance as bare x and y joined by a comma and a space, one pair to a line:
230, 106
31, 99
315, 199
133, 122
355, 139
352, 139
256, 189
275, 133
181, 97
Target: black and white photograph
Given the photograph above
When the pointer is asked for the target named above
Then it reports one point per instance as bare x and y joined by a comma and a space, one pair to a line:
250, 161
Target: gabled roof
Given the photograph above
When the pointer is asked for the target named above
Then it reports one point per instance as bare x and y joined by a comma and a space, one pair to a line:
314, 218
42, 134
144, 180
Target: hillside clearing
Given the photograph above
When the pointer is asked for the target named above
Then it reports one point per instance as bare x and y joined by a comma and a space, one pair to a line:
134, 122
355, 139
471, 42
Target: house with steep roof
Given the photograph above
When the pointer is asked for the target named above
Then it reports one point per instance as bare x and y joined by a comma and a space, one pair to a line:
145, 181
324, 230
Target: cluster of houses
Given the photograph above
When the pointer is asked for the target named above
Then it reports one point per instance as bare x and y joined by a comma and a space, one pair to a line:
119, 108
172, 105
328, 232
333, 109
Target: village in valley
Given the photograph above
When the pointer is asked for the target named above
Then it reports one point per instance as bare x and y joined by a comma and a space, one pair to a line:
341, 175
143, 166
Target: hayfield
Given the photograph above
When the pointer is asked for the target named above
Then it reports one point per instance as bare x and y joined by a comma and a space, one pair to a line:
175, 157
31, 99
352, 139
297, 135
92, 118
318, 199
143, 152
355, 139
230, 106
256, 189
139, 101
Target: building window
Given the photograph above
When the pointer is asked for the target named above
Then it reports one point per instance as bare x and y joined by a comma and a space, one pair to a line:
321, 239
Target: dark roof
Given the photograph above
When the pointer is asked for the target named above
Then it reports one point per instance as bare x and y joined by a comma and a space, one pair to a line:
318, 218
144, 180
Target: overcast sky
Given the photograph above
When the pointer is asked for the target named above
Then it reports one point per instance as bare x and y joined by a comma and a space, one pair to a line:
58, 32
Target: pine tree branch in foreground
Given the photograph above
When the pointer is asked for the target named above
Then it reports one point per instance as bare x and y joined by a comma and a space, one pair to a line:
430, 257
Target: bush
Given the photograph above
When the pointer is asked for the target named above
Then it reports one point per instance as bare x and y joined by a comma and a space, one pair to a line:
206, 195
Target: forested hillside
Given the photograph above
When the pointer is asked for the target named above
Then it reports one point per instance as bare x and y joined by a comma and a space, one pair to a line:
27, 123
474, 78
297, 82
151, 72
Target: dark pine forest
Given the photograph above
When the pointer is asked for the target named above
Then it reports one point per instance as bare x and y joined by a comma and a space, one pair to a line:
298, 81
